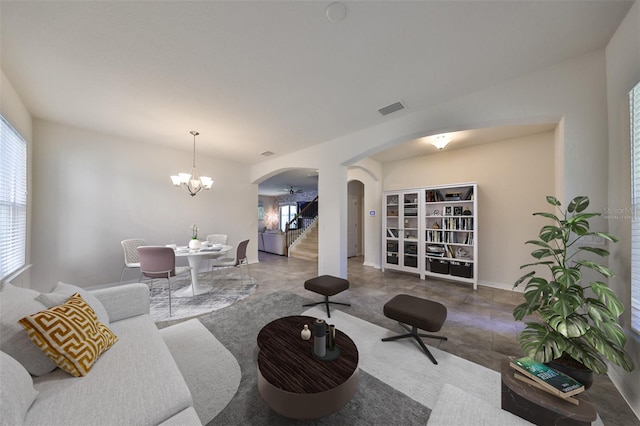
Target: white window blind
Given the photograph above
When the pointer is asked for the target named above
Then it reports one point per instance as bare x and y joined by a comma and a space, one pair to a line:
634, 107
13, 199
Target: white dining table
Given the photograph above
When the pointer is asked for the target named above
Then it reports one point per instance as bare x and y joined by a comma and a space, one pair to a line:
195, 258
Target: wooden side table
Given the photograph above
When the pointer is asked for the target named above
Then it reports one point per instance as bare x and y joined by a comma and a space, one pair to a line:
540, 407
292, 382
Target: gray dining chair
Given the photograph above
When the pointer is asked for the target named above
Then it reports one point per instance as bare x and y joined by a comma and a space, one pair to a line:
160, 262
215, 239
131, 259
238, 261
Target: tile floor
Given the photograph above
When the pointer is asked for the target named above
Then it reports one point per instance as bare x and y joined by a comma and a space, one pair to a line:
479, 325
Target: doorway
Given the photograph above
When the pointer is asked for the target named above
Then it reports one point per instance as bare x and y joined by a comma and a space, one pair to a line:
354, 218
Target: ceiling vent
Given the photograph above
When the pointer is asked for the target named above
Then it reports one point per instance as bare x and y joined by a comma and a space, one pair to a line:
267, 153
391, 108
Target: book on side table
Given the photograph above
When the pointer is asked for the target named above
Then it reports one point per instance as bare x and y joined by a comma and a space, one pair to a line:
546, 378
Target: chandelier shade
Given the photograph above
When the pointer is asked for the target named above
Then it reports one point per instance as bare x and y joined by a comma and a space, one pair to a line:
192, 182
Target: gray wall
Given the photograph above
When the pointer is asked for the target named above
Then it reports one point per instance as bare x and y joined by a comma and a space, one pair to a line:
623, 73
91, 191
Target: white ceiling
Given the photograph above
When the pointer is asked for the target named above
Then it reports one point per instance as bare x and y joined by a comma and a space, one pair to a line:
275, 75
461, 139
303, 180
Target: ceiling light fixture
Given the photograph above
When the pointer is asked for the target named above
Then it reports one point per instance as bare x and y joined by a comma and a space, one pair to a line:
440, 141
336, 12
192, 182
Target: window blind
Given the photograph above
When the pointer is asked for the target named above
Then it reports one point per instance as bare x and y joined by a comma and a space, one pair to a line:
634, 107
13, 199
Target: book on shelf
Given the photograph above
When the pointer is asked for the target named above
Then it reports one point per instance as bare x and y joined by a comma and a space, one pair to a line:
551, 380
469, 194
449, 251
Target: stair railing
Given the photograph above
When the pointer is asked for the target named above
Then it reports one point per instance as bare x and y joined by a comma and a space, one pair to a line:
296, 227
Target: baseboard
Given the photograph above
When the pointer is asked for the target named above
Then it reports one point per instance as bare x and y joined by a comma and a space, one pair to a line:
373, 265
626, 392
501, 286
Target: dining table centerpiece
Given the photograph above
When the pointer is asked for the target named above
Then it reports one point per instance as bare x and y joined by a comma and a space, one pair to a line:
194, 243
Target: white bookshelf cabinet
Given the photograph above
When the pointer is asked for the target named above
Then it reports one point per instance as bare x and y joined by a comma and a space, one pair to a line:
401, 230
433, 231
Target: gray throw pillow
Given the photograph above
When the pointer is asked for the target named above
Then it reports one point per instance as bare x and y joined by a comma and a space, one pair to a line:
16, 391
15, 304
62, 292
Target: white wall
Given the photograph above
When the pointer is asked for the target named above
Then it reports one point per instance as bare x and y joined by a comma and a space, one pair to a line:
91, 191
571, 92
623, 73
13, 110
510, 188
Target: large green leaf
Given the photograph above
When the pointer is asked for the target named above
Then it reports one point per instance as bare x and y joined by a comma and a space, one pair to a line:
566, 303
595, 250
607, 297
538, 243
552, 200
582, 217
536, 292
540, 343
613, 333
542, 253
609, 349
578, 227
522, 310
597, 267
581, 350
606, 236
566, 276
569, 327
548, 216
550, 233
545, 262
524, 277
578, 204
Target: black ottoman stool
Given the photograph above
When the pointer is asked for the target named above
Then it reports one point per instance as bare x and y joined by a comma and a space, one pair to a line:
326, 285
418, 313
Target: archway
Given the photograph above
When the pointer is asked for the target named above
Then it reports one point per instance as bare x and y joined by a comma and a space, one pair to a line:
355, 212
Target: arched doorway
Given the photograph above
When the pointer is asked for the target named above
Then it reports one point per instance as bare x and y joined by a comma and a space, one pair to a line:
355, 193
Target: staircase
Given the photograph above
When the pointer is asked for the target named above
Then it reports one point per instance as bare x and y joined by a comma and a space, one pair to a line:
306, 247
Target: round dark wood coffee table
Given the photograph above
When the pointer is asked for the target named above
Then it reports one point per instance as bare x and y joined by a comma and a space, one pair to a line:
292, 382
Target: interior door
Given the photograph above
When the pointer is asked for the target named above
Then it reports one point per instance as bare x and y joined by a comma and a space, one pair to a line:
352, 226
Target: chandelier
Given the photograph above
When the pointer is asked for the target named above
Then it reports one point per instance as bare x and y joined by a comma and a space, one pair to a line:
192, 182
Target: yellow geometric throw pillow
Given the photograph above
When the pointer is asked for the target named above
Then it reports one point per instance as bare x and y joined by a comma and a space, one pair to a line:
70, 335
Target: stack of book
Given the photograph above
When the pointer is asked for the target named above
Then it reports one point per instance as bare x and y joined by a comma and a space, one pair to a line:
546, 378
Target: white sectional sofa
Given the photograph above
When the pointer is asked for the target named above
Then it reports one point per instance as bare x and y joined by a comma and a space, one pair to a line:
136, 381
272, 242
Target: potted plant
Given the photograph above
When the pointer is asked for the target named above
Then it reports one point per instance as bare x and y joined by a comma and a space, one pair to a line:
576, 319
194, 244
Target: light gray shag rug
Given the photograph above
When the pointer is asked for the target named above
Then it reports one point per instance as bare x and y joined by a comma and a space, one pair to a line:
228, 288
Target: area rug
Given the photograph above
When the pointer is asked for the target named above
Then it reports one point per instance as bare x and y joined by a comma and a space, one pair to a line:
237, 327
228, 289
403, 365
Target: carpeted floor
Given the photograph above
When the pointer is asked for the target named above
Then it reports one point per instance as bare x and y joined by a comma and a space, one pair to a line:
237, 327
228, 289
